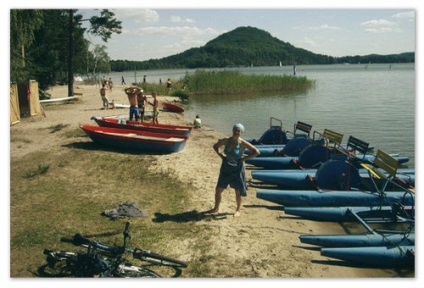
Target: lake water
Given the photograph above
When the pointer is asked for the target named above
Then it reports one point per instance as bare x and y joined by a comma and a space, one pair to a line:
372, 102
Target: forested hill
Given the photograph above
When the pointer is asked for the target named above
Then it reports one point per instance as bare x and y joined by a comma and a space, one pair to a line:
249, 46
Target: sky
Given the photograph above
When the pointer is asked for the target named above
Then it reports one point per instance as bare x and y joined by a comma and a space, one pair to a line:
153, 33
160, 28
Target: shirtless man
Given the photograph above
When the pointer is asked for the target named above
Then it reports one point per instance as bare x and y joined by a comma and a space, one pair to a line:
132, 93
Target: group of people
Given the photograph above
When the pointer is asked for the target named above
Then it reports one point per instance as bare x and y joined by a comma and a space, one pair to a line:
107, 83
138, 103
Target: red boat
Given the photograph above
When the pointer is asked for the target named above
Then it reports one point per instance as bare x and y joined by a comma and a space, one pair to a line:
141, 141
171, 107
145, 126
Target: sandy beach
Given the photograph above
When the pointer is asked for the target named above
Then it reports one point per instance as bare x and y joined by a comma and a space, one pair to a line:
262, 242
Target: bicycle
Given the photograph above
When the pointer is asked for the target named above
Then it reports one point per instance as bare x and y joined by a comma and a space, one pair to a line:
102, 260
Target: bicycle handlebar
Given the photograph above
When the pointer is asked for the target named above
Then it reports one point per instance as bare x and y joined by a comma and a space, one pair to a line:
77, 240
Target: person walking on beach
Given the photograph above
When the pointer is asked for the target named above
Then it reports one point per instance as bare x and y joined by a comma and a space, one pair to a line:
110, 83
132, 93
104, 97
141, 102
122, 80
155, 105
232, 172
168, 85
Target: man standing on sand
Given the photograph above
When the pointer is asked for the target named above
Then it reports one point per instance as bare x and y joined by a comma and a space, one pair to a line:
104, 98
132, 93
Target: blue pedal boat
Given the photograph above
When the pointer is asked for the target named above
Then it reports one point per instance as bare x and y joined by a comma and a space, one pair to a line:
381, 256
359, 240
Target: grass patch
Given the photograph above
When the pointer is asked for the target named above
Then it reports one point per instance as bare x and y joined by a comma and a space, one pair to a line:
79, 186
42, 169
58, 127
74, 133
19, 139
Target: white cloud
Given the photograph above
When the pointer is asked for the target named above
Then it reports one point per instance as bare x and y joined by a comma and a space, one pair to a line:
178, 30
179, 19
380, 26
405, 15
307, 42
138, 15
317, 28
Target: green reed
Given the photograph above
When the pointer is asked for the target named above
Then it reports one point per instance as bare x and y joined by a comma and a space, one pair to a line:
233, 82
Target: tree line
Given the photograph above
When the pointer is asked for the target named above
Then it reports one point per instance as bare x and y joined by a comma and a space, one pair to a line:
250, 46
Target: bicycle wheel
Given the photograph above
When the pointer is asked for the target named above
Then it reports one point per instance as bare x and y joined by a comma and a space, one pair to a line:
59, 264
158, 259
137, 272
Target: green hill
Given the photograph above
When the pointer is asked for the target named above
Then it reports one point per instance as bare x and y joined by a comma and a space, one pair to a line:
249, 46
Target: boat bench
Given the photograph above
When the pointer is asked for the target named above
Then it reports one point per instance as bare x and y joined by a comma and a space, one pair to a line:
302, 126
357, 145
383, 161
329, 136
332, 136
389, 164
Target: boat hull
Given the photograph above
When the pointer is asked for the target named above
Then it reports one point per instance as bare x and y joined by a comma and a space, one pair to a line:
358, 240
387, 257
171, 107
300, 198
378, 214
285, 162
302, 179
134, 125
140, 141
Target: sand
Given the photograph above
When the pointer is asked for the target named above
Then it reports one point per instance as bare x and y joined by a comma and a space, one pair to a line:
262, 242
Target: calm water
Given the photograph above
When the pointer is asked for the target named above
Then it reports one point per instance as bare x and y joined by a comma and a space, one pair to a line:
375, 103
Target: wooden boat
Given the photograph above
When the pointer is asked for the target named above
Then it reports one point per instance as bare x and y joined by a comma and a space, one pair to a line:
141, 141
145, 126
380, 256
308, 198
359, 240
172, 107
369, 214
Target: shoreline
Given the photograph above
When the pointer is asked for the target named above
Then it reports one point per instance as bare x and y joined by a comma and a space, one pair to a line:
262, 234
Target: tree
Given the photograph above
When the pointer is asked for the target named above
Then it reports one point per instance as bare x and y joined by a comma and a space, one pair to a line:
23, 25
102, 26
100, 59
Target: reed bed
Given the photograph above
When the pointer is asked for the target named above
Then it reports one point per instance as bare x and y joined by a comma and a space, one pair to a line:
233, 82
229, 82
